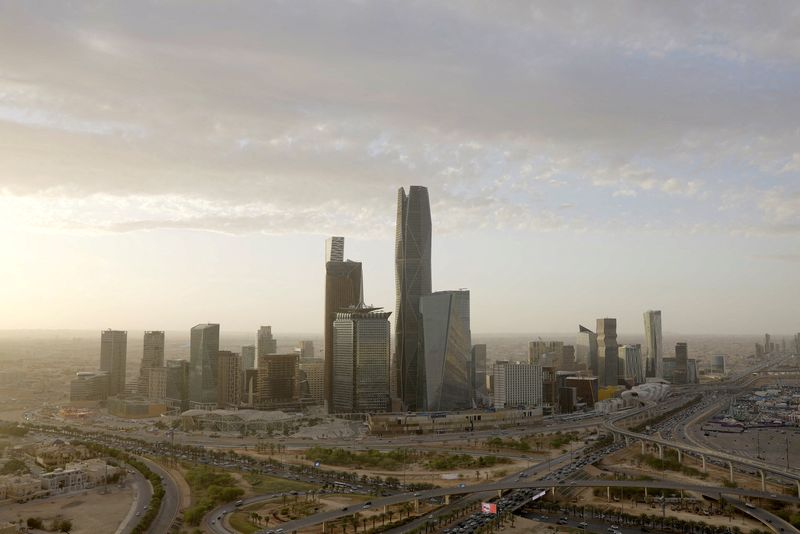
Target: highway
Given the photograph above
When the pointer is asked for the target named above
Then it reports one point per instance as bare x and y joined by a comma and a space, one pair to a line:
495, 487
169, 504
141, 499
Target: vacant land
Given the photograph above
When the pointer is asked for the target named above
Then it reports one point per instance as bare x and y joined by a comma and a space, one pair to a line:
90, 511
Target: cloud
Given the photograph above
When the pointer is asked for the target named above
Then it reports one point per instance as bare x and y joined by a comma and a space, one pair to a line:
508, 112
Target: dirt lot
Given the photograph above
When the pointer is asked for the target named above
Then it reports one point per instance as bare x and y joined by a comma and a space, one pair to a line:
90, 512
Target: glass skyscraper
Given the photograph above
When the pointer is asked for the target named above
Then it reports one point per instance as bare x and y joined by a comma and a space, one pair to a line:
444, 380
203, 348
653, 349
608, 353
412, 281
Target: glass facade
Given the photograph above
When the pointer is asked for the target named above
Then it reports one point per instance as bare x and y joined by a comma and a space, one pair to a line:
204, 345
412, 281
444, 378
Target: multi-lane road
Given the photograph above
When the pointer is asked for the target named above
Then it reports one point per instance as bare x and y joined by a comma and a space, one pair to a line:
495, 487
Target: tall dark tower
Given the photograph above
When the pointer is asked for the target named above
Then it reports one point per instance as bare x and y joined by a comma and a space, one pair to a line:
412, 281
607, 352
343, 289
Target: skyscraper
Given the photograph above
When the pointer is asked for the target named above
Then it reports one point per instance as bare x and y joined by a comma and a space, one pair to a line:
362, 346
229, 379
681, 374
113, 359
653, 348
444, 378
152, 356
203, 349
344, 288
334, 249
306, 350
248, 357
266, 344
412, 281
607, 352
479, 373
278, 380
630, 362
178, 372
586, 349
545, 352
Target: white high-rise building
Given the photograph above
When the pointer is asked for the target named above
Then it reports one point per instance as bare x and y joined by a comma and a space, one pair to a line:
517, 384
653, 349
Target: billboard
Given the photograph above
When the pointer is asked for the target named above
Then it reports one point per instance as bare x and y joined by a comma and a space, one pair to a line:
488, 508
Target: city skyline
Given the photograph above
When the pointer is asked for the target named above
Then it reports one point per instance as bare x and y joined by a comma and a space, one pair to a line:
516, 120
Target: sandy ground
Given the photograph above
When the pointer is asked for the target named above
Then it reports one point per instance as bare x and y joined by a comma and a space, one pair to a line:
90, 512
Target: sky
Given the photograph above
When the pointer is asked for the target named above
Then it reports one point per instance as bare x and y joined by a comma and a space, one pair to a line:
169, 163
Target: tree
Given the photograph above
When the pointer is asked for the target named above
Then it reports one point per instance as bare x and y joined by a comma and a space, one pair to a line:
65, 526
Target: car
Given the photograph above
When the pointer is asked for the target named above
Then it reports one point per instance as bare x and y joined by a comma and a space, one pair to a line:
344, 509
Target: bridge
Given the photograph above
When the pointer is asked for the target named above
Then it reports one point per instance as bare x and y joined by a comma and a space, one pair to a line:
381, 503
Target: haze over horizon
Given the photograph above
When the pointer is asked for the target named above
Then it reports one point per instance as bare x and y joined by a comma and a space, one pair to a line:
166, 164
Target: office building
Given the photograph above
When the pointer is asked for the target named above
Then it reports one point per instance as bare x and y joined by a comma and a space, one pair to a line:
156, 384
362, 346
203, 349
250, 387
306, 350
567, 359
229, 379
653, 347
278, 380
586, 388
152, 356
630, 360
249, 357
478, 375
669, 369
607, 352
412, 281
312, 380
545, 353
266, 344
718, 364
334, 249
344, 289
680, 374
586, 349
768, 347
178, 372
797, 343
692, 376
567, 399
444, 376
517, 384
88, 386
113, 359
